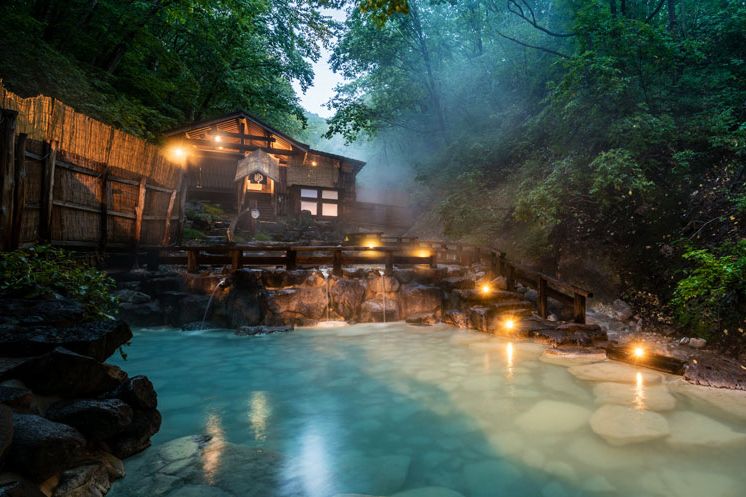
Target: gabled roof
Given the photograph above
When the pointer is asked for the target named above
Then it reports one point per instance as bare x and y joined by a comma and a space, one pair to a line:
237, 115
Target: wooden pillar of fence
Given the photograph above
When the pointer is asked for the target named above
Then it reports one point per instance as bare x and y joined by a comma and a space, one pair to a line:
193, 260
510, 277
139, 210
389, 270
104, 208
19, 196
46, 200
541, 299
291, 257
578, 308
236, 259
494, 264
337, 263
7, 174
170, 210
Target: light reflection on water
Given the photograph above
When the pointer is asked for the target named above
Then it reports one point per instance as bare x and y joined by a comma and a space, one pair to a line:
376, 409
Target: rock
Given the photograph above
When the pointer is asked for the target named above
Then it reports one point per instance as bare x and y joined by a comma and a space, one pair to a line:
423, 319
261, 330
429, 492
693, 430
90, 480
621, 425
138, 392
347, 296
420, 299
147, 314
458, 283
697, 343
640, 396
10, 365
6, 431
156, 287
136, 436
42, 448
377, 285
615, 372
572, 357
551, 416
97, 419
456, 318
67, 374
18, 399
621, 310
716, 370
20, 488
132, 297
372, 311
188, 309
97, 339
281, 278
57, 311
294, 305
729, 402
665, 482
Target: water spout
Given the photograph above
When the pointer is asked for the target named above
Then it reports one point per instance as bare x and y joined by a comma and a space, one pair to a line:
383, 285
325, 274
221, 284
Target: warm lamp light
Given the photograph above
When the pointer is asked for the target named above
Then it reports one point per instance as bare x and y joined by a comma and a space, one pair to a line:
422, 253
178, 153
509, 324
217, 138
313, 163
485, 289
638, 352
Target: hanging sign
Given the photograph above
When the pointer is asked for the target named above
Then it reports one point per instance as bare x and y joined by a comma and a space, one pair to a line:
258, 178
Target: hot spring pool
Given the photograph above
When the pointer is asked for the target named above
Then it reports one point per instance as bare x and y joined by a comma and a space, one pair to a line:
421, 412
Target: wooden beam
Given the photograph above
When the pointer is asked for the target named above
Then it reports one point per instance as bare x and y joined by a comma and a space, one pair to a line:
290, 259
578, 310
541, 299
193, 260
235, 146
46, 201
337, 263
139, 210
169, 212
7, 174
19, 198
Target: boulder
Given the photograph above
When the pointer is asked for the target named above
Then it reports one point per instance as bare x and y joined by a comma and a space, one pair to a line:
147, 314
17, 398
621, 425
282, 278
158, 286
572, 356
372, 311
428, 275
136, 437
422, 319
614, 372
42, 448
621, 310
641, 396
6, 431
458, 283
691, 430
261, 330
377, 284
729, 402
97, 339
456, 318
67, 374
420, 299
347, 296
245, 302
552, 417
97, 419
188, 309
294, 305
90, 480
20, 488
138, 392
56, 310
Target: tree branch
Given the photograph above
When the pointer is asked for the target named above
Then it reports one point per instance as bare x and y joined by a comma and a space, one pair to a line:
535, 47
655, 11
515, 8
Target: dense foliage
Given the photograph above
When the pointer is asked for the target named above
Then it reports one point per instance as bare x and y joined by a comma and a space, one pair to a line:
595, 138
43, 271
147, 65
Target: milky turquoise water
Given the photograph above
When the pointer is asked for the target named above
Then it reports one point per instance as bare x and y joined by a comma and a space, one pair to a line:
390, 409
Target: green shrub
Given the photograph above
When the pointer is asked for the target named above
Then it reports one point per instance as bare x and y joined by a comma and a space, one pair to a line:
42, 271
192, 234
712, 297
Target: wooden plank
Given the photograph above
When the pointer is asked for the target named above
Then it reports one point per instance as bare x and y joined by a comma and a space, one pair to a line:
182, 205
541, 300
237, 146
166, 239
579, 308
236, 259
7, 174
290, 259
139, 210
389, 270
19, 198
46, 200
193, 261
104, 208
337, 262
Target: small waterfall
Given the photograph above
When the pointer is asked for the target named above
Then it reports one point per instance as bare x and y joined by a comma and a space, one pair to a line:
325, 274
209, 302
383, 285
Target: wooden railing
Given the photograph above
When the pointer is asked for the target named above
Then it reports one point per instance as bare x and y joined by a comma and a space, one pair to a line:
401, 251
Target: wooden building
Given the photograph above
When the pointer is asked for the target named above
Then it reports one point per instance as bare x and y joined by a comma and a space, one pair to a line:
240, 162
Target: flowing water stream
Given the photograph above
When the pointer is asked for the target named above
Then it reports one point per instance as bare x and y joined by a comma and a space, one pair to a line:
391, 409
209, 301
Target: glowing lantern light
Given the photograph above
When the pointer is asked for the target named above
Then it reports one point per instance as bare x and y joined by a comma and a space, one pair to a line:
217, 138
422, 253
509, 324
485, 289
313, 163
178, 153
638, 352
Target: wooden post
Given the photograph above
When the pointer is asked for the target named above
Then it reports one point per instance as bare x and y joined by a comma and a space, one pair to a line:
46, 202
153, 256
166, 239
192, 260
236, 259
502, 265
433, 261
291, 257
104, 207
139, 210
19, 199
541, 300
578, 311
182, 202
510, 276
389, 263
7, 174
337, 263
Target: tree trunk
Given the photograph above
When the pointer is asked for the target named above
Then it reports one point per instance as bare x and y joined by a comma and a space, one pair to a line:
671, 5
120, 49
612, 7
